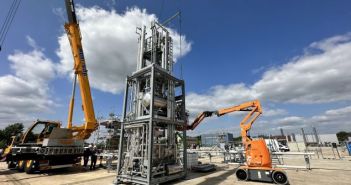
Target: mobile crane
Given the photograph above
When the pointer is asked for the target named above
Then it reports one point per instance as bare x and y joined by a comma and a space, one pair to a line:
45, 145
258, 160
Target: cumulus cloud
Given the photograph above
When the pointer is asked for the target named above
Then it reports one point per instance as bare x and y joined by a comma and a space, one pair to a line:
110, 45
274, 112
320, 75
330, 121
27, 90
219, 97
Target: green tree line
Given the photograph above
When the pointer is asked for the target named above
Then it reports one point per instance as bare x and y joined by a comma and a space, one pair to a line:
7, 132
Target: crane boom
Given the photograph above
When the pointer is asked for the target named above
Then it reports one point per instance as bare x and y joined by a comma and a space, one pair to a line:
80, 71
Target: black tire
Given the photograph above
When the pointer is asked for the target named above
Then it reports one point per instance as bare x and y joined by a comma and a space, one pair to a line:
280, 177
29, 166
20, 165
11, 165
241, 174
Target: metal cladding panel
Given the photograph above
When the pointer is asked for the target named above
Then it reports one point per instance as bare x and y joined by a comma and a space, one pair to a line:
63, 142
216, 139
61, 133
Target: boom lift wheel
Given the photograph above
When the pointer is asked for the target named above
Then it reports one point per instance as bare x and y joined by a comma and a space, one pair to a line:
241, 174
280, 177
20, 165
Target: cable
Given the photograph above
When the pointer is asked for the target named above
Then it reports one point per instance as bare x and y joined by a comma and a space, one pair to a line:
8, 21
11, 20
161, 9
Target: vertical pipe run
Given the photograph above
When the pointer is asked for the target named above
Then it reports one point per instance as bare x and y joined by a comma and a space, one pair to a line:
185, 155
166, 59
141, 49
153, 43
151, 129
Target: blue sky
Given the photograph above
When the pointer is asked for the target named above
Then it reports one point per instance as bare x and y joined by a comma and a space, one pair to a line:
291, 55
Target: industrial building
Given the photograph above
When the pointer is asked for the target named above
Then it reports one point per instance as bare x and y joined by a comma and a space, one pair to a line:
216, 139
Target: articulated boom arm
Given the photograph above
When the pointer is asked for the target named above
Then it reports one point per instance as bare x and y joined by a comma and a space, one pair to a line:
199, 119
80, 70
254, 108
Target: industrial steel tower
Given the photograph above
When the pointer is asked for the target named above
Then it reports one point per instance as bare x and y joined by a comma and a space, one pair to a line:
152, 147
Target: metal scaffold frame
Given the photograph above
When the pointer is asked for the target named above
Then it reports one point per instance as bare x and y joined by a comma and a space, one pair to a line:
152, 147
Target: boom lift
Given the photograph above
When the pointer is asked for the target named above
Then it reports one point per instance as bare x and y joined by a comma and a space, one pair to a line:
45, 145
258, 159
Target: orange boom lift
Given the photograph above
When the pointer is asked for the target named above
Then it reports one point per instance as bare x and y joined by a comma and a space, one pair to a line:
258, 159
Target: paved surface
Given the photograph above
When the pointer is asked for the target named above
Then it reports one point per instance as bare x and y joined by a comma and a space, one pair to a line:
324, 171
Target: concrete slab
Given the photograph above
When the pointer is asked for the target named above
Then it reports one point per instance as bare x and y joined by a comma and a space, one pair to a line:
323, 171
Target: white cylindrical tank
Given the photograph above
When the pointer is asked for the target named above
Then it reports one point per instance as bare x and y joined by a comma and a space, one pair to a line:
158, 102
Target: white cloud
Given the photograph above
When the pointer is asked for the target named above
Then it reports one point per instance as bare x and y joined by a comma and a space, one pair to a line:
320, 75
27, 91
110, 45
218, 97
274, 112
330, 121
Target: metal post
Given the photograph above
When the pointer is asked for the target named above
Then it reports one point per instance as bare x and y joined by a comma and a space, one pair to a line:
150, 141
120, 151
316, 135
281, 132
304, 138
307, 162
185, 153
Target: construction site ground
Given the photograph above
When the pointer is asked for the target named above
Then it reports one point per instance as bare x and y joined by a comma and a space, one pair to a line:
324, 171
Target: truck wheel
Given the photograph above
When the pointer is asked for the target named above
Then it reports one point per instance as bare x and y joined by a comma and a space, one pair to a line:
29, 166
11, 165
20, 165
280, 177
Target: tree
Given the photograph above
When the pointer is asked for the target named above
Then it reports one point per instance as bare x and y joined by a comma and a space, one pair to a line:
11, 130
198, 140
237, 139
342, 135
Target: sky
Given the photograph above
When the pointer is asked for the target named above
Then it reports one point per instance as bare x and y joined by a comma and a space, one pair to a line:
292, 56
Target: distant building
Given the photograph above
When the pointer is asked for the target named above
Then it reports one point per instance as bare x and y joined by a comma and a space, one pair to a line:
216, 139
191, 141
